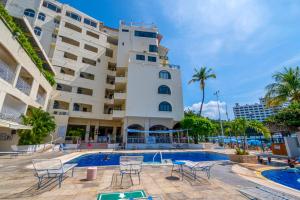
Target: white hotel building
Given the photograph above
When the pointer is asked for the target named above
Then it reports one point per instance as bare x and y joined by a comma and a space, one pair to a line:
258, 111
108, 80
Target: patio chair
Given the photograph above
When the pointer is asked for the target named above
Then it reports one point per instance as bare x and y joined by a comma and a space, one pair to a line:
265, 193
131, 165
194, 167
51, 168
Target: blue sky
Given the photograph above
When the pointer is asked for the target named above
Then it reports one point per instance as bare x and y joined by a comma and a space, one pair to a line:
244, 41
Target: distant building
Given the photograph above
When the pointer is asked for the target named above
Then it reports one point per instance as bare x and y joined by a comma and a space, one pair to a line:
258, 111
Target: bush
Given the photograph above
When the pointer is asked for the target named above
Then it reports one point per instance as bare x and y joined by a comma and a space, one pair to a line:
239, 151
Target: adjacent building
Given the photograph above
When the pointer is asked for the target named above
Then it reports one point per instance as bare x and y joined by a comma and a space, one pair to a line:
22, 85
258, 111
108, 80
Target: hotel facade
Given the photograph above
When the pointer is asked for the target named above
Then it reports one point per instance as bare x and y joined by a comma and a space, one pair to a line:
108, 80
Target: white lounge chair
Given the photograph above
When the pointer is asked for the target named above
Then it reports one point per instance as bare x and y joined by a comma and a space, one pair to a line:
131, 165
194, 167
51, 168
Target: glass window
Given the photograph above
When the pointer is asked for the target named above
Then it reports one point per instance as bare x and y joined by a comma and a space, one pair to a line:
140, 57
73, 16
165, 106
125, 30
37, 31
145, 34
90, 22
51, 6
151, 58
42, 16
56, 21
153, 48
29, 12
163, 89
164, 74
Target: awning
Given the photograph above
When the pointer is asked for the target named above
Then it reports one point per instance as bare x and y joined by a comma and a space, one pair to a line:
158, 131
13, 125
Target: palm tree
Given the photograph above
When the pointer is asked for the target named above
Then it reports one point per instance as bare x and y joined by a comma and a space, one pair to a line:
240, 125
42, 124
286, 87
201, 76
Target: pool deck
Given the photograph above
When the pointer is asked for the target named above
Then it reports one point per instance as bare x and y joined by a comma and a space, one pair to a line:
18, 182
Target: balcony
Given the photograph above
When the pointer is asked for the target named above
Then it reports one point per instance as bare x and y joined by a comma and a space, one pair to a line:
120, 95
60, 105
6, 73
118, 113
40, 99
23, 86
13, 117
121, 79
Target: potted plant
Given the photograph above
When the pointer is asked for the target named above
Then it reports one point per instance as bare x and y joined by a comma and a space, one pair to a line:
242, 156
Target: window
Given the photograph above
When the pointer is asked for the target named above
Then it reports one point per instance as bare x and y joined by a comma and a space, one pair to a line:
73, 27
125, 30
109, 52
37, 31
94, 35
163, 89
90, 48
70, 56
151, 58
164, 74
73, 16
145, 34
165, 106
42, 16
139, 57
87, 75
90, 22
153, 48
29, 12
89, 61
56, 21
51, 6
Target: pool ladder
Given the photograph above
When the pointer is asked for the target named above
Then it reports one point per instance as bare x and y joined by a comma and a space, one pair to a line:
159, 152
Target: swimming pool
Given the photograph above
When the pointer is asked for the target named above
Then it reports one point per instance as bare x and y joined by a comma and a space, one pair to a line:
108, 159
287, 177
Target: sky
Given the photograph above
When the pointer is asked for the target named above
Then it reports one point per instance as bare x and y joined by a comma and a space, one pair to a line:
243, 41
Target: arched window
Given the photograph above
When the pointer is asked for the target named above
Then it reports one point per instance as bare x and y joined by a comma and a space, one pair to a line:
42, 16
163, 89
165, 106
29, 12
37, 31
164, 74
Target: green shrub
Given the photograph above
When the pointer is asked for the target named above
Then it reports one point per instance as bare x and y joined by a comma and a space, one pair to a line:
239, 151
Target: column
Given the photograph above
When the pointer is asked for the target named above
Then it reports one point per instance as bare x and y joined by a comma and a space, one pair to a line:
2, 98
34, 89
124, 131
114, 135
17, 73
96, 131
146, 127
87, 135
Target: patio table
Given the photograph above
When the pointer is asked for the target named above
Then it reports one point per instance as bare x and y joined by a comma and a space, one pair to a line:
179, 164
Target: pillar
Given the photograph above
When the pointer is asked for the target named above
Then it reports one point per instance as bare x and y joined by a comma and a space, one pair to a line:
2, 98
17, 73
114, 135
146, 128
124, 131
87, 135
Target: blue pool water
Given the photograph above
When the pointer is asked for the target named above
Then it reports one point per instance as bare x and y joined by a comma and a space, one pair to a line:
106, 159
287, 177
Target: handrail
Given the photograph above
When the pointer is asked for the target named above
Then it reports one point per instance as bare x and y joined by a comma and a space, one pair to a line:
159, 152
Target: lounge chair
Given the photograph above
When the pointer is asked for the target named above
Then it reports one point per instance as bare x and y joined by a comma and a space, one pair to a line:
265, 193
51, 168
131, 165
10, 153
16, 149
194, 167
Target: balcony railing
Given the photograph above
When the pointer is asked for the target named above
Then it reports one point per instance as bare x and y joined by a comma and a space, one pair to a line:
40, 99
174, 66
23, 86
14, 117
6, 73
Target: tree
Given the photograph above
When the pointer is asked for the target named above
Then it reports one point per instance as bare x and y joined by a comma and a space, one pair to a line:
287, 119
198, 127
42, 124
240, 125
286, 87
201, 76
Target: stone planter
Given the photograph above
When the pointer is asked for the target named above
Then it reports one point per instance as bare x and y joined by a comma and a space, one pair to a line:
243, 158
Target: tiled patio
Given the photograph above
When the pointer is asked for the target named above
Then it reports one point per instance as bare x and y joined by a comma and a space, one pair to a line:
17, 182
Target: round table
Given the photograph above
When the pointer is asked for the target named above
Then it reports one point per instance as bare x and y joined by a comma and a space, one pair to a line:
180, 167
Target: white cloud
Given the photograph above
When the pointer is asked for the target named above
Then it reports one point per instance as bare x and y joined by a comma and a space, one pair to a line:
209, 109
